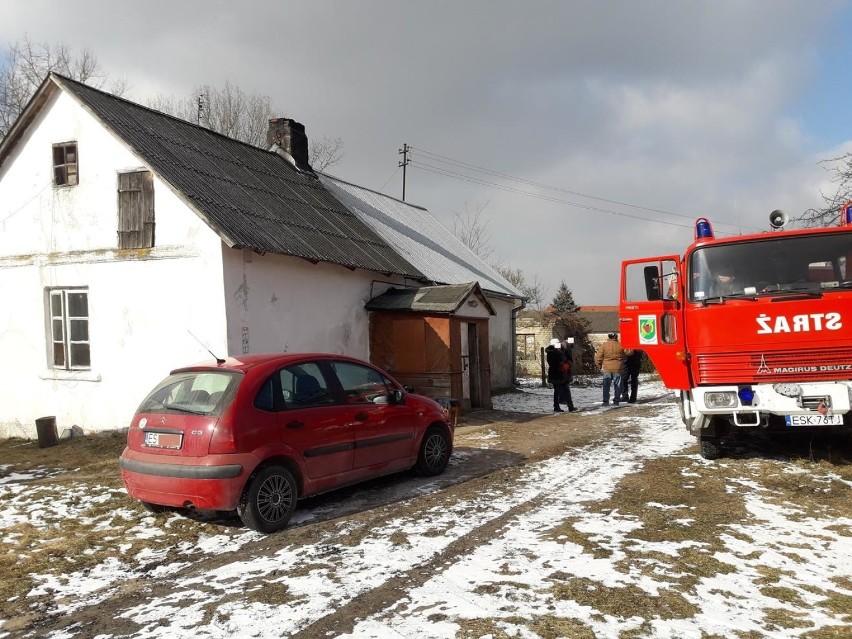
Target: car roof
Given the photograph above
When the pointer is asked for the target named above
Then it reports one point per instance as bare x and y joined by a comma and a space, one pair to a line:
243, 363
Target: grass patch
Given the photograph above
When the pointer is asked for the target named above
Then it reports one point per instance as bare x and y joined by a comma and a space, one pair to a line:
625, 601
90, 453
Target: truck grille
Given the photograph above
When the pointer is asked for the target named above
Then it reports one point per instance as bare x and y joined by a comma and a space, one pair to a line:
788, 366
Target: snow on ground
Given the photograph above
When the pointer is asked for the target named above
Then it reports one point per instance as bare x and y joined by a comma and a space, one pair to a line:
586, 391
507, 577
563, 484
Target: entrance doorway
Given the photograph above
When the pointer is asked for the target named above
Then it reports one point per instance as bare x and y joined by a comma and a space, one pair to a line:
471, 390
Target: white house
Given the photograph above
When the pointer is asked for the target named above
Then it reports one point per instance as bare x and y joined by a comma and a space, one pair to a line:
132, 243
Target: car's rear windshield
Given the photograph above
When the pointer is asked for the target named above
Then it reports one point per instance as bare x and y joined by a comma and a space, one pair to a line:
194, 392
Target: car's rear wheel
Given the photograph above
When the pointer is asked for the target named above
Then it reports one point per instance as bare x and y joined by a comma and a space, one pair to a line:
434, 452
270, 499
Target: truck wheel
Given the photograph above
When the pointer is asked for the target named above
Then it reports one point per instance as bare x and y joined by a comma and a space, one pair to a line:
269, 501
710, 447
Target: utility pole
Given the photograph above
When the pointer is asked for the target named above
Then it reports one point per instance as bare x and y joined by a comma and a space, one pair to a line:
405, 152
200, 108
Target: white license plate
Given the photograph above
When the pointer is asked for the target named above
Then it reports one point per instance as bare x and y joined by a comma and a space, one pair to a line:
163, 440
814, 420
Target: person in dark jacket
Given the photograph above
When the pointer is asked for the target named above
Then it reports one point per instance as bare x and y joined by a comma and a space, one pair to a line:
557, 374
568, 353
630, 381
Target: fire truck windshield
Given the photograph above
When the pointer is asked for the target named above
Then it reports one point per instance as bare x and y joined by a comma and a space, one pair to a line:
781, 264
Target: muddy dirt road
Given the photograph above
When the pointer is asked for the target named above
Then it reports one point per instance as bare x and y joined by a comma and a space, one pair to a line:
598, 524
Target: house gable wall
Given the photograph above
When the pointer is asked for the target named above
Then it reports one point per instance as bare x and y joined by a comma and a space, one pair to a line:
141, 302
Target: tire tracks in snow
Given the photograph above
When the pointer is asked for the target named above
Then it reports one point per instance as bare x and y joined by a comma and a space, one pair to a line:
331, 586
544, 496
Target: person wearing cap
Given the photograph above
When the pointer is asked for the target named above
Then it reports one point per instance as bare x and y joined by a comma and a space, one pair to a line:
610, 359
557, 375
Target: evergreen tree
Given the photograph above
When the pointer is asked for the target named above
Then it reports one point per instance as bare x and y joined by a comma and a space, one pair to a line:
569, 323
563, 302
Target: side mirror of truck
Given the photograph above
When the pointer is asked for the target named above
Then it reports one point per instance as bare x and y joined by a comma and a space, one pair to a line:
652, 283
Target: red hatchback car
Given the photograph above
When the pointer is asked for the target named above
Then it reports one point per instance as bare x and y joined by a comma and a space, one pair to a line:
257, 433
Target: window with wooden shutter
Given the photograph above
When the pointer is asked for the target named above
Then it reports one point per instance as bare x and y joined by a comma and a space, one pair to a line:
135, 210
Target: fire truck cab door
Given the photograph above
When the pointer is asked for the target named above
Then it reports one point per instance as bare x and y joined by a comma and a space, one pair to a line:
651, 315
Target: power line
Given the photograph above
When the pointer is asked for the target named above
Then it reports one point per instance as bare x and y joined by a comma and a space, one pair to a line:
538, 196
472, 167
382, 189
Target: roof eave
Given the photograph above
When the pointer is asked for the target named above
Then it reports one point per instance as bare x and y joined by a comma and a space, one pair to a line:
47, 88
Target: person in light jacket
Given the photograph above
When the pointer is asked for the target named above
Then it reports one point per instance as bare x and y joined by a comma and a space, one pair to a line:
610, 359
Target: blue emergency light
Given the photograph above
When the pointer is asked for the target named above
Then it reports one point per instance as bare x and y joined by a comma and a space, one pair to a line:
846, 218
746, 394
703, 229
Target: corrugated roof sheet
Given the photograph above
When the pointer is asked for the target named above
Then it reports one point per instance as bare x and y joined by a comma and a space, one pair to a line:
427, 299
424, 242
253, 198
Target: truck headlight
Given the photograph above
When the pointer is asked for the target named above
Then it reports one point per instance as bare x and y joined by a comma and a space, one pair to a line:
721, 399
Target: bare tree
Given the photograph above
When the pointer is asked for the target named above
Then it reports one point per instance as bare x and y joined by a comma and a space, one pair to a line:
325, 152
243, 116
472, 229
531, 290
841, 167
227, 110
26, 65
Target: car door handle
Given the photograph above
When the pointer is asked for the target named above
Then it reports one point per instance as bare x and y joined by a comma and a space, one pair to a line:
295, 424
361, 417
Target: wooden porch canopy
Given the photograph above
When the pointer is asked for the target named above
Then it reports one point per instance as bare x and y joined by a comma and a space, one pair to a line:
435, 338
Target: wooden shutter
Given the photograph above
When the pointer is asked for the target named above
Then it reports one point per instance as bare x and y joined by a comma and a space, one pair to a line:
136, 210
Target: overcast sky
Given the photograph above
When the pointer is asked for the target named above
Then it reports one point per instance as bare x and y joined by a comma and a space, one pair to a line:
680, 109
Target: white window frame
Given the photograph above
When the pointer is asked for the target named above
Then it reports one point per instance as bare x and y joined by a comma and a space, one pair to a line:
60, 322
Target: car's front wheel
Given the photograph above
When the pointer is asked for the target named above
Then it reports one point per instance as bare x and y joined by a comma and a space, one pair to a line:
269, 500
434, 453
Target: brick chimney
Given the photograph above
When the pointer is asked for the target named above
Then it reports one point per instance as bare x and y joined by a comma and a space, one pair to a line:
288, 136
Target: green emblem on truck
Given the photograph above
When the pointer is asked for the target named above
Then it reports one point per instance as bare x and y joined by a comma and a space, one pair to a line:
647, 329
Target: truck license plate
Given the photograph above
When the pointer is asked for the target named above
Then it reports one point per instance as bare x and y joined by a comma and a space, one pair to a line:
814, 420
163, 440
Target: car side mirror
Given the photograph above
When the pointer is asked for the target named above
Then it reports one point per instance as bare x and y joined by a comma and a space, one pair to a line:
396, 396
408, 388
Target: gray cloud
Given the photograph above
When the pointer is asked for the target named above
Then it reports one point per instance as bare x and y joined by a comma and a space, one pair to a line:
679, 106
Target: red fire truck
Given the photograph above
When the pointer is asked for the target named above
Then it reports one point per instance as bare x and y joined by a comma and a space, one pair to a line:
751, 331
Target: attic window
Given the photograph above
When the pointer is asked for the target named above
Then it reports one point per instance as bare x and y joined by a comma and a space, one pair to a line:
65, 164
135, 210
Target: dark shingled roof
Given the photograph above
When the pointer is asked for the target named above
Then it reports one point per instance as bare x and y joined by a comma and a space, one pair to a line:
251, 197
427, 299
